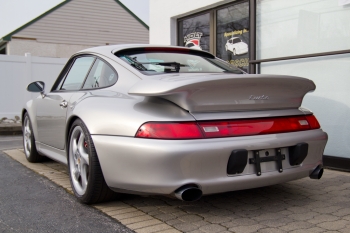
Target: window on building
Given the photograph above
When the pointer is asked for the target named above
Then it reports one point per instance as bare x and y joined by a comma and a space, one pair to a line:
223, 31
195, 32
232, 34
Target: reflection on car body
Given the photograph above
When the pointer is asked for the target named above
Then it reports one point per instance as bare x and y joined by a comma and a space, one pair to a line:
167, 120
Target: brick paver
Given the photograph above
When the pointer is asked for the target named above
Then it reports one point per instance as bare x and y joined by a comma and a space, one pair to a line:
299, 206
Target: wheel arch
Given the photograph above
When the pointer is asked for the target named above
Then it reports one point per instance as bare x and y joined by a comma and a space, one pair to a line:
68, 127
24, 111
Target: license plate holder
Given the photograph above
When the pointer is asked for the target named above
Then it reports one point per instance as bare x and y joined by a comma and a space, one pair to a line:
257, 160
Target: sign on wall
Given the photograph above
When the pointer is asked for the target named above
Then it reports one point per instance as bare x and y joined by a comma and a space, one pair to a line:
195, 32
232, 34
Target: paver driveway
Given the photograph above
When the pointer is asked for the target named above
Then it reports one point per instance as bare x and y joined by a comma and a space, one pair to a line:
299, 206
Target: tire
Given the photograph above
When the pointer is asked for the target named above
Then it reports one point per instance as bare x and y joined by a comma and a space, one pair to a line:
29, 147
86, 178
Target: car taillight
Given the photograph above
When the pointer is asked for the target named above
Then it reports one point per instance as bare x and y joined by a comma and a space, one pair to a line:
167, 130
226, 128
313, 122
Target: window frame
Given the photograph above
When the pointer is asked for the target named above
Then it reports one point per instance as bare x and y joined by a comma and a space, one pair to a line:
200, 53
66, 69
97, 88
212, 21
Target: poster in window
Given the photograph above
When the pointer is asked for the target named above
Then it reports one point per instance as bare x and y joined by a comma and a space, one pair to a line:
232, 38
195, 32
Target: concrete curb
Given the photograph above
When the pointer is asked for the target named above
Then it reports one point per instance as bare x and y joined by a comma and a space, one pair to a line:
10, 129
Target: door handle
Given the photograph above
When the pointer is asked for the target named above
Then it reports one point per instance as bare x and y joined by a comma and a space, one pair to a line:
64, 104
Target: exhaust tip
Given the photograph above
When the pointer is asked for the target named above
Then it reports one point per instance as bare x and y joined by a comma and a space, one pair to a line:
188, 193
317, 173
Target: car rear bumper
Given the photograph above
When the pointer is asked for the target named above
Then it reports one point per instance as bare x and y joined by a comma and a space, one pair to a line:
162, 166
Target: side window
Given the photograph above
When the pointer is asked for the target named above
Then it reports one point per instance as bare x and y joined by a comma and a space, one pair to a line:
101, 75
76, 76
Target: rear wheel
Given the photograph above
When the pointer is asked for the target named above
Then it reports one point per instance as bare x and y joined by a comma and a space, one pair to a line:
30, 151
86, 176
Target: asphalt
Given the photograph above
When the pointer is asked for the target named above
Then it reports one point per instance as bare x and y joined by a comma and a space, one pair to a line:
32, 203
8, 142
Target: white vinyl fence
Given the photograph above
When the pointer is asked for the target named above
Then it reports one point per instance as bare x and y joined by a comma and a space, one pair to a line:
16, 72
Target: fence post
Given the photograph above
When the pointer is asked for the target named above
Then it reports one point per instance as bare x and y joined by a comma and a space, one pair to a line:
28, 76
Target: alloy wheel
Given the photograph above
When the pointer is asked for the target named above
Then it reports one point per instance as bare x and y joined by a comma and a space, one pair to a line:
27, 137
79, 160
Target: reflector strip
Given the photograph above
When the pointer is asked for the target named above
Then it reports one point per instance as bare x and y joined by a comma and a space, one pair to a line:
226, 128
211, 129
303, 122
260, 126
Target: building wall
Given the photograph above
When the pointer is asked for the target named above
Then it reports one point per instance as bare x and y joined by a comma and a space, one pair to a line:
40, 49
164, 15
79, 24
290, 28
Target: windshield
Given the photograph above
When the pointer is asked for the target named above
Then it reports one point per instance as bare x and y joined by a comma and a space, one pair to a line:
237, 40
182, 61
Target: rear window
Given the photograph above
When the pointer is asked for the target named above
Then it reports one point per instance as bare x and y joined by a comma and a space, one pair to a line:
159, 61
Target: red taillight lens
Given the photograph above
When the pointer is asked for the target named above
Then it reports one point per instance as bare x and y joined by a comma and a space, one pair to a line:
234, 128
178, 130
228, 128
313, 122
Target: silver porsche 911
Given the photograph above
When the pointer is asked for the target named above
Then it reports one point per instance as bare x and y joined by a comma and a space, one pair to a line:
176, 121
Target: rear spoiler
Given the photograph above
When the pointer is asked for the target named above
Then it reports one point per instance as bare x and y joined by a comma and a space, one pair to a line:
226, 92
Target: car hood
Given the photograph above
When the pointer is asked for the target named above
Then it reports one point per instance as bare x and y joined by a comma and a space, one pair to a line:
226, 92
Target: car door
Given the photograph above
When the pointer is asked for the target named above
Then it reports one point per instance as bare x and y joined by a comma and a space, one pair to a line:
51, 111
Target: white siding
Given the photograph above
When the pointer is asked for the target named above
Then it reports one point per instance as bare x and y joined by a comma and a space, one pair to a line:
87, 22
17, 72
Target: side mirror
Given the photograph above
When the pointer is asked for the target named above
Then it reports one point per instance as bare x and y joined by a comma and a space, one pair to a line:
37, 86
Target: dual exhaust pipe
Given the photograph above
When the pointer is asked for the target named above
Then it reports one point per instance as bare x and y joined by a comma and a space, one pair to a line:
191, 192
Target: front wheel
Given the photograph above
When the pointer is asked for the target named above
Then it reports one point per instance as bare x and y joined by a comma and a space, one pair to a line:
85, 173
29, 147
